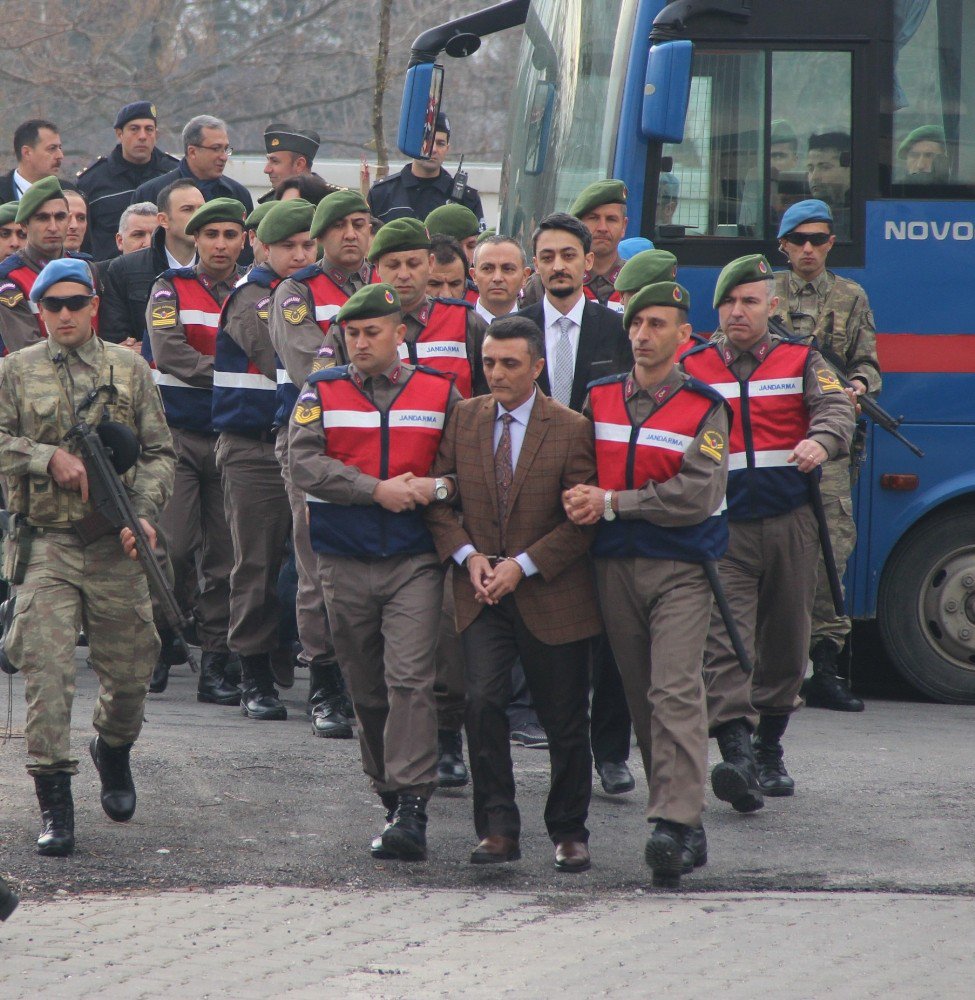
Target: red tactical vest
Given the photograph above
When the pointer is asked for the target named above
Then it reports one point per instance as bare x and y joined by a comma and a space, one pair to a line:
443, 345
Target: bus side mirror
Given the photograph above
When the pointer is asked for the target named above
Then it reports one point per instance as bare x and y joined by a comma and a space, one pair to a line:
667, 91
418, 112
539, 127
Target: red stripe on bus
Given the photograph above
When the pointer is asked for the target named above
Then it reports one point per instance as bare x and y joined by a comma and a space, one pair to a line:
918, 352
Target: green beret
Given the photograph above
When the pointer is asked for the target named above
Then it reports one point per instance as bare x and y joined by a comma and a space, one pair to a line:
218, 210
487, 234
44, 190
453, 220
782, 131
369, 302
254, 219
753, 267
926, 133
398, 236
661, 293
646, 268
335, 206
285, 219
611, 192
8, 213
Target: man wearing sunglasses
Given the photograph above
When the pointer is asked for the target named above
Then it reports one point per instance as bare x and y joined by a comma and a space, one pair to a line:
76, 571
833, 314
43, 214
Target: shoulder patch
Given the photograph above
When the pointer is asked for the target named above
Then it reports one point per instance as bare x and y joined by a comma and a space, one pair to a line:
163, 293
828, 382
261, 307
712, 445
10, 294
294, 309
305, 415
163, 315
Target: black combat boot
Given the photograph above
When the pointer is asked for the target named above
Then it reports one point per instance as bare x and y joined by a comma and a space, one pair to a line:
8, 900
118, 788
326, 696
231, 672
390, 800
258, 696
735, 779
406, 836
57, 812
772, 775
212, 686
665, 852
825, 689
451, 769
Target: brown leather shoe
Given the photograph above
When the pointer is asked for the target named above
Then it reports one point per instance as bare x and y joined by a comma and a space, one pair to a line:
495, 851
572, 856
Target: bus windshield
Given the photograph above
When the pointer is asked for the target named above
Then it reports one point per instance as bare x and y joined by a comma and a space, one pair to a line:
565, 106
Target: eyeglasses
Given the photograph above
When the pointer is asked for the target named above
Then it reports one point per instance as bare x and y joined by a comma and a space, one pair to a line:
801, 239
227, 150
73, 303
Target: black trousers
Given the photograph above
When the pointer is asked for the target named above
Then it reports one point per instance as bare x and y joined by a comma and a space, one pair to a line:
558, 678
610, 716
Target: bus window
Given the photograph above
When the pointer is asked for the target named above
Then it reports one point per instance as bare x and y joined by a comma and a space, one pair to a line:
934, 126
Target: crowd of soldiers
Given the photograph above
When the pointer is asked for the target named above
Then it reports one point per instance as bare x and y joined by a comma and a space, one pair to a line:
371, 387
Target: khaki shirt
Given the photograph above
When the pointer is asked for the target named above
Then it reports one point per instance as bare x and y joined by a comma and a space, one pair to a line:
835, 314
697, 490
245, 322
38, 399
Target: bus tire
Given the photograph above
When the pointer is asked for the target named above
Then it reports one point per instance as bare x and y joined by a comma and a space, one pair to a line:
926, 606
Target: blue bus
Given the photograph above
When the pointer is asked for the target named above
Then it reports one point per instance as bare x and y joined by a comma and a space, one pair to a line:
706, 109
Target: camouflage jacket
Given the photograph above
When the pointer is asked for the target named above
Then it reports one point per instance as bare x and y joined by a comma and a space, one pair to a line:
836, 314
36, 413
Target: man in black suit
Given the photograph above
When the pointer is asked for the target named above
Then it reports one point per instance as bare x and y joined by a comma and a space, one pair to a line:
37, 146
584, 341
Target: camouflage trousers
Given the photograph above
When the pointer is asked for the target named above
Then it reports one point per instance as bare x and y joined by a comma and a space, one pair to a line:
69, 585
838, 506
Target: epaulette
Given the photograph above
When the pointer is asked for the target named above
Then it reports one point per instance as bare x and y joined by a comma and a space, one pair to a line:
11, 264
78, 255
699, 338
696, 385
178, 272
697, 348
609, 380
453, 302
81, 173
259, 274
307, 272
332, 374
427, 370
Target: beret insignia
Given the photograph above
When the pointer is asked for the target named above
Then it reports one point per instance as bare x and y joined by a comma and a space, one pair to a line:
275, 142
389, 297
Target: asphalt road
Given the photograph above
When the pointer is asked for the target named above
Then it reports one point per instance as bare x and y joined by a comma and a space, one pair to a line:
883, 803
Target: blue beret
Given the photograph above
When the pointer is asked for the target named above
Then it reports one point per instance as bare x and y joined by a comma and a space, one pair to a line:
137, 109
810, 210
62, 269
632, 246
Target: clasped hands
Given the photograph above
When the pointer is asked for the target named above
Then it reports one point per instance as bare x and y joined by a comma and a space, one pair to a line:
584, 504
404, 492
490, 585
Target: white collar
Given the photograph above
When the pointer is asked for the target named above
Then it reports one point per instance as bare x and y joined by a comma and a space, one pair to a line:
574, 314
519, 413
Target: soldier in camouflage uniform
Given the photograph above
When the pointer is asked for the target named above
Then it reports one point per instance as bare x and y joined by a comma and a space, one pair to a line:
69, 584
834, 313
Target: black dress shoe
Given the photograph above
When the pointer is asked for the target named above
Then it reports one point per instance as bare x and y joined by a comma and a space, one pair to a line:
8, 900
57, 813
530, 735
495, 851
160, 676
406, 836
664, 853
572, 856
615, 777
118, 788
212, 687
695, 853
451, 769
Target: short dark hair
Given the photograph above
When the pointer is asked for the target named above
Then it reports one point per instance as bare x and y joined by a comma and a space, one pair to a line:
519, 328
498, 240
567, 223
446, 249
29, 134
165, 197
311, 187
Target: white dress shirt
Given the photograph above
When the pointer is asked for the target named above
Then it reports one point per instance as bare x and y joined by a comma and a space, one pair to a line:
519, 424
552, 315
489, 317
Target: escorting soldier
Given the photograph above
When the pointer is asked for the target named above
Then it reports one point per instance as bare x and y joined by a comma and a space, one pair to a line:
290, 152
422, 185
462, 225
246, 415
363, 438
790, 415
43, 212
182, 318
648, 267
13, 236
833, 315
601, 207
662, 460
110, 181
46, 389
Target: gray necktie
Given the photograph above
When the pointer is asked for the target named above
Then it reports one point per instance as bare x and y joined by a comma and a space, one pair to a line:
564, 362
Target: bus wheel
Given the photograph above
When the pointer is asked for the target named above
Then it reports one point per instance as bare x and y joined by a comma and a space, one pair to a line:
926, 607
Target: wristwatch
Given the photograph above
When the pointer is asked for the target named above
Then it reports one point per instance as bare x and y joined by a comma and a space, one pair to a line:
608, 513
440, 489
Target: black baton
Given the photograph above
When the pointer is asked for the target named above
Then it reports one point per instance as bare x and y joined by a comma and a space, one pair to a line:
826, 543
711, 572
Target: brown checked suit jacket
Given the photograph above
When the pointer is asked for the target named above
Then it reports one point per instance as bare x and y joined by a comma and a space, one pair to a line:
558, 604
